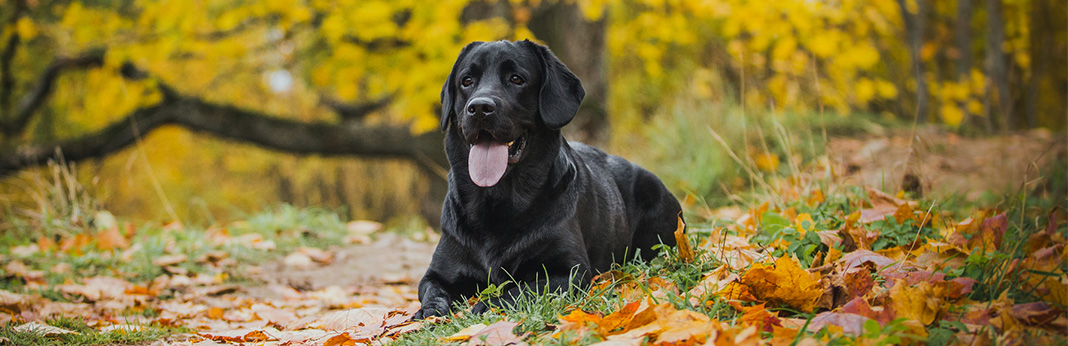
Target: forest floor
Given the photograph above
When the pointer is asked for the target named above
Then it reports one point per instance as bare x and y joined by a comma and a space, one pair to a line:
980, 238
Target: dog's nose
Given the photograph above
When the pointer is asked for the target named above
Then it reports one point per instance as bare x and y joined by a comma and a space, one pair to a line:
481, 106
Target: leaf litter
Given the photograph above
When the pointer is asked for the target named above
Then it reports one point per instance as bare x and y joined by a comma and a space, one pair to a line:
774, 275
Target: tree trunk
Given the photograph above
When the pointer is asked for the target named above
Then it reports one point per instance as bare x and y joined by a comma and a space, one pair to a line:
1040, 52
914, 28
997, 68
963, 30
580, 44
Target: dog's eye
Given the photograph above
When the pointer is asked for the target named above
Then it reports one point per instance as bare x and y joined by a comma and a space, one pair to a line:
516, 79
467, 81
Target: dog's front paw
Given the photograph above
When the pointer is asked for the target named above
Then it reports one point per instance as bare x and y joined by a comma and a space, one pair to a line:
431, 310
479, 308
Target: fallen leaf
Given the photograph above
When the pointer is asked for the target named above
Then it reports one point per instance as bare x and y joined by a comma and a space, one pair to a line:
859, 306
352, 318
110, 239
169, 260
783, 282
498, 333
466, 333
683, 243
990, 233
364, 227
919, 302
298, 260
42, 329
858, 258
273, 315
242, 335
24, 251
1038, 314
318, 255
215, 313
852, 324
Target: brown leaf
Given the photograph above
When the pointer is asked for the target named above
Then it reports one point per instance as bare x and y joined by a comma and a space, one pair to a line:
852, 324
858, 258
683, 243
403, 328
859, 306
364, 227
498, 333
169, 260
1038, 314
243, 335
990, 233
111, 239
759, 316
42, 329
98, 288
348, 319
302, 337
213, 257
273, 315
318, 255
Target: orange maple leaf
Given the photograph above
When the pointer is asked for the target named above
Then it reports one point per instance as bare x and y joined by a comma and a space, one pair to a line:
784, 282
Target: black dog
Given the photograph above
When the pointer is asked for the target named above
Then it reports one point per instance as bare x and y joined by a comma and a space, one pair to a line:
524, 205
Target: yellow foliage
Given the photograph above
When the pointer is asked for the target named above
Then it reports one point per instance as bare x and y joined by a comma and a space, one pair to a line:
25, 28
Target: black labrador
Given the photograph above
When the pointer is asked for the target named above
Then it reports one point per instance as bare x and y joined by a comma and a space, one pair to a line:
524, 206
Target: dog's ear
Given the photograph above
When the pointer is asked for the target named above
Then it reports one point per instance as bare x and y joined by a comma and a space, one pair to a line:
448, 91
561, 91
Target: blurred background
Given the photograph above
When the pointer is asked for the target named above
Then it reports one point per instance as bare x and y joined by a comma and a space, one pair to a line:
202, 111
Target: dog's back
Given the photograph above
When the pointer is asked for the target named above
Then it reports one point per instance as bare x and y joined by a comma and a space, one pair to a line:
650, 210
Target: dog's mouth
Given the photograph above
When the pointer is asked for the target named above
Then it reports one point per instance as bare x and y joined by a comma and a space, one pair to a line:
489, 158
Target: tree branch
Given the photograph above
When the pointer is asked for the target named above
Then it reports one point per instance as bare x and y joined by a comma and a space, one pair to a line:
33, 100
354, 112
7, 81
236, 124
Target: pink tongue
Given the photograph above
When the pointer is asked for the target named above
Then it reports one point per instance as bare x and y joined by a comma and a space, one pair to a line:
486, 162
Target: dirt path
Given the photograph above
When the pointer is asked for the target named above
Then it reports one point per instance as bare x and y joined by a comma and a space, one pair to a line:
948, 165
389, 260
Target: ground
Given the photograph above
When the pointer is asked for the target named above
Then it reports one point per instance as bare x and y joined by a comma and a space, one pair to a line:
328, 282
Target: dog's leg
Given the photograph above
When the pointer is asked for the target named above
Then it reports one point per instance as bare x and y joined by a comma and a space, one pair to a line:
435, 299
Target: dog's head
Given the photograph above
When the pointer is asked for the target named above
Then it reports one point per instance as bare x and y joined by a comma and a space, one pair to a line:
501, 99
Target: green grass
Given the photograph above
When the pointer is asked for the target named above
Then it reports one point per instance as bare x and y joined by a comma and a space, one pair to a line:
85, 335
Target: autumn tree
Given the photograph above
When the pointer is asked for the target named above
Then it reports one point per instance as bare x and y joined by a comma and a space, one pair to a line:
362, 78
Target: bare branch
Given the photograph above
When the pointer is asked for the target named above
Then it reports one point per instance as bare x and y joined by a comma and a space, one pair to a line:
354, 112
237, 124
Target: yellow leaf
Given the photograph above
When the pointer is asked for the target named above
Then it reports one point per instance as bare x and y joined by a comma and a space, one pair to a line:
26, 28
784, 282
886, 89
685, 252
920, 302
951, 114
1058, 292
804, 224
466, 333
766, 162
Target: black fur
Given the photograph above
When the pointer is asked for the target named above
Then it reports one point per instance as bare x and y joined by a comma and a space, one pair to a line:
564, 212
